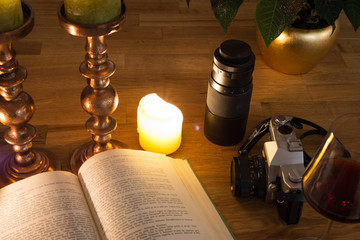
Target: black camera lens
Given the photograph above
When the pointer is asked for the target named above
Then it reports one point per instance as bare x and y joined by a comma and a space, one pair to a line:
248, 176
229, 93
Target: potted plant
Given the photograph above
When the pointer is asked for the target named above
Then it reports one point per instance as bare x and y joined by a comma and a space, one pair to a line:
276, 17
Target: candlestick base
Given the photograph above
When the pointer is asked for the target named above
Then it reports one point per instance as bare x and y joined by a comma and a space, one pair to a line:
11, 171
82, 153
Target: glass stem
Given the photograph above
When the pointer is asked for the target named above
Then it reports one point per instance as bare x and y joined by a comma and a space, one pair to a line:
325, 234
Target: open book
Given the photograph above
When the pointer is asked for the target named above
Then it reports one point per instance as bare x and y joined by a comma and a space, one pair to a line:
118, 194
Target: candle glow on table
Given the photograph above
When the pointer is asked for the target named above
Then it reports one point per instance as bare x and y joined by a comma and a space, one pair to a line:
11, 15
159, 125
92, 12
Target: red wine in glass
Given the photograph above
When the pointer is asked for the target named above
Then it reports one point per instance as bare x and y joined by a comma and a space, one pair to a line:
331, 182
335, 193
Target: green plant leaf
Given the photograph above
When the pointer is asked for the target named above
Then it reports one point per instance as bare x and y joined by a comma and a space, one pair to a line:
272, 17
329, 9
225, 11
352, 11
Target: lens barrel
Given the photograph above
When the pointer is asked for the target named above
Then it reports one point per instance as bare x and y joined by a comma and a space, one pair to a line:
248, 176
229, 93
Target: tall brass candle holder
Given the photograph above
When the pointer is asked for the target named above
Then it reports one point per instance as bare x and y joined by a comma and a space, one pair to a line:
99, 98
16, 109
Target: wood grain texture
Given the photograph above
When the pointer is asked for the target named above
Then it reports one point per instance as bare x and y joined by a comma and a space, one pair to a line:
166, 47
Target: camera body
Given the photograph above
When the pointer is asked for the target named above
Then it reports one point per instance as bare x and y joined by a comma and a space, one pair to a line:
277, 173
284, 157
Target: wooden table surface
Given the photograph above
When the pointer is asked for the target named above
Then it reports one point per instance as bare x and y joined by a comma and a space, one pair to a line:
167, 48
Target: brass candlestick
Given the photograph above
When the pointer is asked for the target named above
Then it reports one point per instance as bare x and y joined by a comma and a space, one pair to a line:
16, 109
99, 98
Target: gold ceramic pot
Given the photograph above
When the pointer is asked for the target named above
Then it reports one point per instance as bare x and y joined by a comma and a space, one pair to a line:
297, 51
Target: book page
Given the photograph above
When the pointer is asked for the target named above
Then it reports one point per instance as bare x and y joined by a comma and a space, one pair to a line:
139, 195
48, 205
199, 195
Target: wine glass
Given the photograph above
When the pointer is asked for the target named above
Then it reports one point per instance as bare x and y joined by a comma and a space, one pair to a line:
331, 182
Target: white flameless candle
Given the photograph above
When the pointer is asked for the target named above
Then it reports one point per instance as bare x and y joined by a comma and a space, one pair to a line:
159, 125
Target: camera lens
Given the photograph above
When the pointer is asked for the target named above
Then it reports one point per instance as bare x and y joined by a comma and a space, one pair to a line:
229, 93
248, 176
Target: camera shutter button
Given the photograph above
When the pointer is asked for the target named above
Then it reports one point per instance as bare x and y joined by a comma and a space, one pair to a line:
295, 175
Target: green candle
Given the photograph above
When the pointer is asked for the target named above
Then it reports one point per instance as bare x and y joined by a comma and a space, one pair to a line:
90, 12
11, 15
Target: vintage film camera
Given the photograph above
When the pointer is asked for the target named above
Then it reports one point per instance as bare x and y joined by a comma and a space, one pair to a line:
275, 175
